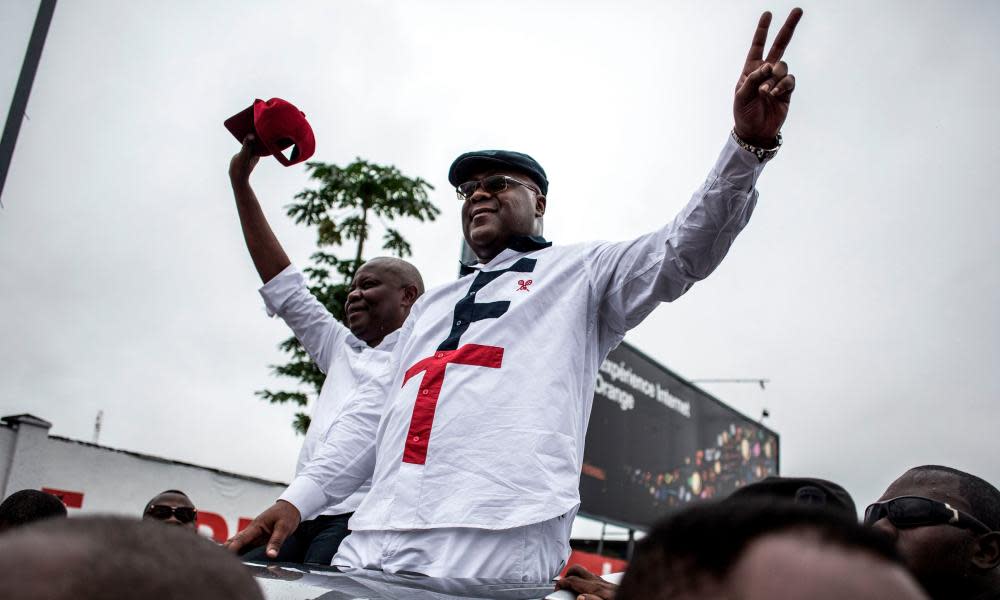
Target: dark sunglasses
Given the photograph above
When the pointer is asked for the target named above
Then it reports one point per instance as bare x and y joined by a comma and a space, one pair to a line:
917, 511
494, 184
184, 514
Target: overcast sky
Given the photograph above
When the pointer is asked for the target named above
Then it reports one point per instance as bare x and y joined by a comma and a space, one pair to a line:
866, 287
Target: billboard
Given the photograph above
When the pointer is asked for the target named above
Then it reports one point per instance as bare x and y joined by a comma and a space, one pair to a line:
657, 442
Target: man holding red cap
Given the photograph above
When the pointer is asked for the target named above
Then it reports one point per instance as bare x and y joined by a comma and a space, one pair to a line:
382, 292
475, 436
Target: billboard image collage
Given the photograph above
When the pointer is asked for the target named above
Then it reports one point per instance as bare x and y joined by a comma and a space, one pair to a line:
656, 443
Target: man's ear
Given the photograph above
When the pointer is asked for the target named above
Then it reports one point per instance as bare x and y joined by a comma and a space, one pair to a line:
410, 295
539, 205
986, 554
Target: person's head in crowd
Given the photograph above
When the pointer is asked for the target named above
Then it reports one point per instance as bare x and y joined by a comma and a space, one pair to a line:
97, 557
172, 507
28, 506
765, 549
381, 295
809, 491
946, 525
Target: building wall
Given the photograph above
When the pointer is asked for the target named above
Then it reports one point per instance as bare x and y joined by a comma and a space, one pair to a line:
7, 439
96, 479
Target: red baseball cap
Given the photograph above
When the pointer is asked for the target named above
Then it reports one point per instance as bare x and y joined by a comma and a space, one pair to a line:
277, 125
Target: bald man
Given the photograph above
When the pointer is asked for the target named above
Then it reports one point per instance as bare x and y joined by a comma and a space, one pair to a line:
380, 297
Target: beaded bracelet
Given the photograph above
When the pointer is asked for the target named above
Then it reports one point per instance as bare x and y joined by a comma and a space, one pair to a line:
762, 154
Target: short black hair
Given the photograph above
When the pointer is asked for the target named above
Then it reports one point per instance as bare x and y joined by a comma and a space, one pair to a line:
801, 490
708, 539
27, 506
983, 498
178, 492
95, 557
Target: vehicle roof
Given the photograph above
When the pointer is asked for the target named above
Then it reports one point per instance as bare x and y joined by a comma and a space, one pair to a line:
297, 582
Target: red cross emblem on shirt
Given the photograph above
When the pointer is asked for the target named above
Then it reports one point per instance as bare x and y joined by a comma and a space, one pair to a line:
433, 368
523, 285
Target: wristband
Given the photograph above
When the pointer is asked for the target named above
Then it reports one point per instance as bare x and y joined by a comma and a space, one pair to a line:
762, 154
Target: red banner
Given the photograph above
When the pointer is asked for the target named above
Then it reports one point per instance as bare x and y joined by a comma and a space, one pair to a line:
595, 563
70, 499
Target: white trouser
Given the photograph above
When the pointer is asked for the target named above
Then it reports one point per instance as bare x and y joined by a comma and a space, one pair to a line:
533, 553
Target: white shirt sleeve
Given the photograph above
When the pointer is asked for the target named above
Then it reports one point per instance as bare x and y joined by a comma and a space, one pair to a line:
630, 278
287, 296
346, 459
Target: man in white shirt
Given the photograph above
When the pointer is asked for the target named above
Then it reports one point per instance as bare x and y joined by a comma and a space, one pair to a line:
382, 292
476, 436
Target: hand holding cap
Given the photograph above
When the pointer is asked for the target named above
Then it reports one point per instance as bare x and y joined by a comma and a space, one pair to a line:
277, 125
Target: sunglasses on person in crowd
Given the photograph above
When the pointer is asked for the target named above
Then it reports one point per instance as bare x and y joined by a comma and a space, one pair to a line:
494, 184
160, 512
917, 511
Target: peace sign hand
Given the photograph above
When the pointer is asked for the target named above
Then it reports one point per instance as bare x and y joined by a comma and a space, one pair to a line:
765, 87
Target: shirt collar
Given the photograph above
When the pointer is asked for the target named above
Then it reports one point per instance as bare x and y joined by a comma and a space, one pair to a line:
517, 243
387, 344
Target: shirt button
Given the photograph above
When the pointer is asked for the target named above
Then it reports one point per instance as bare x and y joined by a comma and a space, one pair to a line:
439, 355
416, 438
425, 392
458, 323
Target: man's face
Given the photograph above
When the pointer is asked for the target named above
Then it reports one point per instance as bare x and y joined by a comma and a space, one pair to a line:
489, 220
378, 302
938, 555
172, 501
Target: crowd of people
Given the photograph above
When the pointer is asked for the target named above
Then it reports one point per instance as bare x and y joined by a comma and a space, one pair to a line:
934, 533
90, 557
422, 457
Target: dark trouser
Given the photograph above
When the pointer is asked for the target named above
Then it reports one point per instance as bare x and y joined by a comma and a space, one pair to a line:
313, 542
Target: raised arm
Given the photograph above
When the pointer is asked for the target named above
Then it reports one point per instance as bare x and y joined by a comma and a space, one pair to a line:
268, 256
631, 278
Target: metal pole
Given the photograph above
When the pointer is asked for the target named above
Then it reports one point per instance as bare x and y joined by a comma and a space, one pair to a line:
631, 545
760, 382
23, 89
600, 542
97, 426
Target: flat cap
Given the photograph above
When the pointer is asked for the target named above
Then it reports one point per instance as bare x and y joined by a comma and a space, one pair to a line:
470, 163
